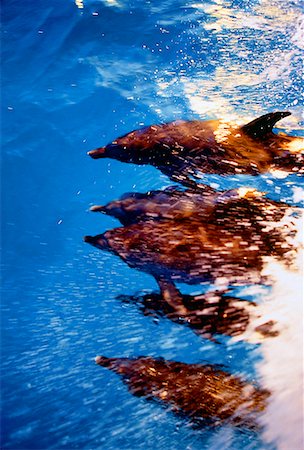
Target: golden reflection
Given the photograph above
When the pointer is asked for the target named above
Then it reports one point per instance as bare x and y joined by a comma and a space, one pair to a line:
79, 4
115, 3
218, 106
296, 146
112, 3
240, 70
261, 17
246, 192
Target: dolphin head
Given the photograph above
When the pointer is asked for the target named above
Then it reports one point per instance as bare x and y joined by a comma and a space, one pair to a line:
98, 241
98, 153
113, 150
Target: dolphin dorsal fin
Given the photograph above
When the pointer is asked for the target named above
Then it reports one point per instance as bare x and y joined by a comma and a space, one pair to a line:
263, 125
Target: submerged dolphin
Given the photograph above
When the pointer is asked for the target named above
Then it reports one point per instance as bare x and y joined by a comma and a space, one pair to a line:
175, 204
209, 314
170, 203
204, 393
229, 246
182, 149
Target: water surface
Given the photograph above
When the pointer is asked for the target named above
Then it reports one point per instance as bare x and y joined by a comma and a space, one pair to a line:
75, 76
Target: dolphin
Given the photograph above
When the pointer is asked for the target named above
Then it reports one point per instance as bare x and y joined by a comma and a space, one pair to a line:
203, 393
173, 203
210, 314
231, 246
170, 203
184, 149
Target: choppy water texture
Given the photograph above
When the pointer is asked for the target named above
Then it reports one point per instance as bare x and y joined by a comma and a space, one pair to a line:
75, 76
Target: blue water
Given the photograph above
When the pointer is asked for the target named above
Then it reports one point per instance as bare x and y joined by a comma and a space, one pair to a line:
76, 75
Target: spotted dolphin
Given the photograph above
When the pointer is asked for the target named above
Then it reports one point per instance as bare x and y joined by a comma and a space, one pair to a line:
184, 149
203, 393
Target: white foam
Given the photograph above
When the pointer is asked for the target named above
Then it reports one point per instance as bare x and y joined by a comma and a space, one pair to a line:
281, 369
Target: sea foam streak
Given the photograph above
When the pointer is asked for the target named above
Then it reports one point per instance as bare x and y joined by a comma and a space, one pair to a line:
281, 369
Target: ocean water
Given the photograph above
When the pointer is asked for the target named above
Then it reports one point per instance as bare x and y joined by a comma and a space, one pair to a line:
75, 75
